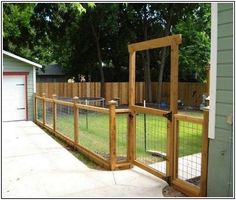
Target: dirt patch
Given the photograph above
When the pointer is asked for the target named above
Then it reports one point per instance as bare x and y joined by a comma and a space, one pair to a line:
169, 191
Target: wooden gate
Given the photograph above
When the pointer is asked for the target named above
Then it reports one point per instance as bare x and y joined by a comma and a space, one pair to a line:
154, 133
191, 154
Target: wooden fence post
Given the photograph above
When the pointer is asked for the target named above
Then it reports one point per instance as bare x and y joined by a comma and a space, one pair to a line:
204, 164
131, 138
76, 117
44, 108
54, 112
132, 94
173, 109
112, 133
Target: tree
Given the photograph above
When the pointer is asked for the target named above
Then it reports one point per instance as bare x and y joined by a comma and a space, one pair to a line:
93, 41
143, 25
41, 32
150, 21
169, 16
195, 49
18, 33
102, 23
59, 23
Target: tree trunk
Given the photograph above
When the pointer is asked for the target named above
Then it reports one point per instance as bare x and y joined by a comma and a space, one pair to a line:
160, 77
147, 76
146, 65
163, 58
102, 79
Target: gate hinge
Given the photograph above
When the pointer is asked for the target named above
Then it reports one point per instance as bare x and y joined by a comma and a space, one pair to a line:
131, 116
168, 115
167, 179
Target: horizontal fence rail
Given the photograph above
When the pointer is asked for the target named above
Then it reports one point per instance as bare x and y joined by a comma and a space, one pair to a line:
189, 93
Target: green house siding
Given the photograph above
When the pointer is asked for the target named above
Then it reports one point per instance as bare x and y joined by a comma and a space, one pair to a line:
220, 171
13, 65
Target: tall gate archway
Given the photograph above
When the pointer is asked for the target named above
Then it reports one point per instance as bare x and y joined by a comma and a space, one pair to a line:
173, 42
166, 160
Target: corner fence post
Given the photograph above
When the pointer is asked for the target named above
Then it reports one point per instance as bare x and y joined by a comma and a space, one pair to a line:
204, 164
112, 133
54, 111
76, 117
44, 108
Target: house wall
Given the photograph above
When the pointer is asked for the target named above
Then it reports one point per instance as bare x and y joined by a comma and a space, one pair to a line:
220, 163
13, 65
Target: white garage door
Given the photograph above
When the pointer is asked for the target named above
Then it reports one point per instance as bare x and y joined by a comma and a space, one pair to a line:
13, 98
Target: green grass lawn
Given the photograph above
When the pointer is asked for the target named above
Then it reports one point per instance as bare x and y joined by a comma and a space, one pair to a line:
151, 134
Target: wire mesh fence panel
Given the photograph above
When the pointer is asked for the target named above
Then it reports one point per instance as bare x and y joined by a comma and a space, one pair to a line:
65, 121
39, 116
151, 141
121, 136
49, 114
189, 152
94, 132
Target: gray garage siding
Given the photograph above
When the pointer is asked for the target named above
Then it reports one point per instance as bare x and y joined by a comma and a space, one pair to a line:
13, 65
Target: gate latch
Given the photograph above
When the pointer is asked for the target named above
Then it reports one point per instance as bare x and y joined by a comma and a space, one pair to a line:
168, 115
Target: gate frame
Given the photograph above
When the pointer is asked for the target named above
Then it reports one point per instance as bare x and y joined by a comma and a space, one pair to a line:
172, 142
172, 41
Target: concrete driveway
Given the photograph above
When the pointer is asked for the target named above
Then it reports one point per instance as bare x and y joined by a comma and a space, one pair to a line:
36, 166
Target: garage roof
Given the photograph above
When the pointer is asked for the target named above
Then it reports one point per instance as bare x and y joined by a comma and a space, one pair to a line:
22, 59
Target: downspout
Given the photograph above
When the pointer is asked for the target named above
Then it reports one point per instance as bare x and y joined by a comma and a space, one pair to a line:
213, 71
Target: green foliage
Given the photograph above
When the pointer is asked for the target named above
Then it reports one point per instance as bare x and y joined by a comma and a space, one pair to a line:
195, 48
41, 32
61, 32
17, 30
17, 19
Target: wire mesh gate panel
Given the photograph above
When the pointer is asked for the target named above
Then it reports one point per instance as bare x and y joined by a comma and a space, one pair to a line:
151, 135
189, 149
152, 128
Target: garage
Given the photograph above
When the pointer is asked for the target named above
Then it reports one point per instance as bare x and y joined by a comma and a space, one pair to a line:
14, 98
18, 87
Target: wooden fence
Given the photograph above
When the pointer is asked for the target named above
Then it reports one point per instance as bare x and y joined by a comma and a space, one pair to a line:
112, 144
66, 119
189, 93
